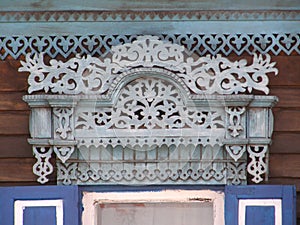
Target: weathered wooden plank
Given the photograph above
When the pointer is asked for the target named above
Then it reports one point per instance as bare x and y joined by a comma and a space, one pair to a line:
285, 142
289, 68
285, 165
17, 169
14, 122
144, 5
288, 96
14, 146
10, 78
286, 119
285, 181
12, 101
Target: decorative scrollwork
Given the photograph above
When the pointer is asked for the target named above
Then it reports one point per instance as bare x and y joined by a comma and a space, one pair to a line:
235, 120
64, 116
235, 151
63, 152
42, 168
257, 165
208, 75
100, 45
88, 174
236, 173
154, 105
66, 172
148, 51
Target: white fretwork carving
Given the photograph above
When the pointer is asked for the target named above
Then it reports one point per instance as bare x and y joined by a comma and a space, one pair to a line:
236, 173
274, 43
64, 116
236, 151
91, 75
63, 152
257, 166
67, 172
150, 113
150, 104
42, 168
235, 126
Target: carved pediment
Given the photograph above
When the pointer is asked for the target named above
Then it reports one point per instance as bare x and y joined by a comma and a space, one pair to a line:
150, 113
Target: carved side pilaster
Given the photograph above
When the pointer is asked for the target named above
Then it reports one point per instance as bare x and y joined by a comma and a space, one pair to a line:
235, 122
63, 117
63, 123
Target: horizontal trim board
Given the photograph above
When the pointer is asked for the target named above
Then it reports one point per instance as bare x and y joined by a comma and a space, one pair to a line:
146, 5
151, 28
148, 15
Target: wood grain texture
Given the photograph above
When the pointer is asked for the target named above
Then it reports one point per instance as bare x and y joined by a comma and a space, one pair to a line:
285, 181
12, 101
288, 68
14, 123
284, 165
10, 78
286, 119
17, 170
15, 146
289, 97
285, 142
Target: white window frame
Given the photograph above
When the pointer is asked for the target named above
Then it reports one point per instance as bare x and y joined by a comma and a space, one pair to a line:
92, 199
20, 205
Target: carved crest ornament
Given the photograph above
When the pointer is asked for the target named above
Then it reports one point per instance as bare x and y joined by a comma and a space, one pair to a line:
150, 113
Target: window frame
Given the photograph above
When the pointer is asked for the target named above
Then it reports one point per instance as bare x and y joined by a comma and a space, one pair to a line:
91, 199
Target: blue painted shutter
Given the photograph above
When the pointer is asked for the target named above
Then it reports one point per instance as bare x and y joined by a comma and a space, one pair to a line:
260, 205
31, 200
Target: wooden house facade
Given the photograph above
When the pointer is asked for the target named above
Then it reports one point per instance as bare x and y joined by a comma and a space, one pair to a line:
69, 30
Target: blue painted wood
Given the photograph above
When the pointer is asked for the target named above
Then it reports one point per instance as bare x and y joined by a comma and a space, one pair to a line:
262, 215
258, 215
69, 195
38, 215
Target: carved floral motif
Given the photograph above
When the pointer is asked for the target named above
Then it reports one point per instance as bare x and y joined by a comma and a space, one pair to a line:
150, 103
208, 75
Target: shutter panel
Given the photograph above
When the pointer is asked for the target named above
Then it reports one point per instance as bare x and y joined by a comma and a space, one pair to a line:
35, 205
260, 205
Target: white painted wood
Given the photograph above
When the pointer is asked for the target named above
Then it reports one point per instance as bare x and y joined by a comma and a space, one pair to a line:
20, 205
243, 203
91, 199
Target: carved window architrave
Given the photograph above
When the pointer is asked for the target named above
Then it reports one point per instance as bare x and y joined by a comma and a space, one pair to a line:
214, 118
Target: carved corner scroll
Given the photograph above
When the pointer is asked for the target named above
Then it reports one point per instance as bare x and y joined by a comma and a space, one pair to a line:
150, 113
